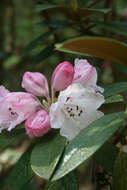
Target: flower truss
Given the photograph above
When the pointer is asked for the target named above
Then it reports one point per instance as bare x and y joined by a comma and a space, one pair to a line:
74, 109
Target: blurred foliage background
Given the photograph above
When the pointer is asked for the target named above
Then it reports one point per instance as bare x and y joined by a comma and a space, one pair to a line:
28, 35
29, 31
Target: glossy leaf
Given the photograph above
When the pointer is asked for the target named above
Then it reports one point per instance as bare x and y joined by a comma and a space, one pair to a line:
100, 47
46, 155
88, 142
120, 172
21, 174
114, 99
69, 182
115, 88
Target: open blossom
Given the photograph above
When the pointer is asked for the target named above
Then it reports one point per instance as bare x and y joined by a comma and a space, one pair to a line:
38, 124
35, 83
75, 109
62, 76
16, 107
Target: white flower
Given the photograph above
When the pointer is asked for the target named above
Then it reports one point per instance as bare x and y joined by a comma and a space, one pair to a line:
75, 109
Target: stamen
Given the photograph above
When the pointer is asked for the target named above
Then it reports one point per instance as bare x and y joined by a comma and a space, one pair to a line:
72, 111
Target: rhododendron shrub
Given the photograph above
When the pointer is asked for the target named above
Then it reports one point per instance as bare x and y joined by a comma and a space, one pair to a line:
63, 111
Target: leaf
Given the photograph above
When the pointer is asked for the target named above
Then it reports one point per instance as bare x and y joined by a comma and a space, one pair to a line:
43, 54
120, 68
106, 156
33, 44
69, 182
46, 155
11, 62
116, 27
88, 142
7, 139
21, 174
115, 89
100, 47
114, 99
120, 172
56, 24
69, 11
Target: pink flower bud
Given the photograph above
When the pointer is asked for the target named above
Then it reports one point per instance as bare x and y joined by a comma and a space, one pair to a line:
38, 124
62, 76
16, 107
35, 83
85, 73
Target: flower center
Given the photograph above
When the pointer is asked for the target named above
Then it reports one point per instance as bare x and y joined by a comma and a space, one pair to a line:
72, 111
12, 113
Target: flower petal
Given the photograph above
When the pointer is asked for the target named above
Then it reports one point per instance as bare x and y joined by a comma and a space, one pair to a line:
71, 127
15, 108
76, 94
3, 92
56, 116
85, 73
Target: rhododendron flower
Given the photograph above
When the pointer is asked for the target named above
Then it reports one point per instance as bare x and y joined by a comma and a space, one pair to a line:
62, 76
75, 109
35, 83
38, 124
16, 107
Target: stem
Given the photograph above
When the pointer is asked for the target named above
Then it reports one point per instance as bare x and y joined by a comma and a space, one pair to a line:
52, 95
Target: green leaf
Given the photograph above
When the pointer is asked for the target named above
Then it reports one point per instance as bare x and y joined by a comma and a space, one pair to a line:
120, 68
88, 142
106, 156
46, 155
44, 7
37, 41
115, 89
69, 11
100, 47
7, 139
57, 24
113, 99
21, 174
69, 182
120, 172
117, 27
11, 62
43, 54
